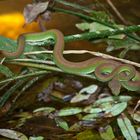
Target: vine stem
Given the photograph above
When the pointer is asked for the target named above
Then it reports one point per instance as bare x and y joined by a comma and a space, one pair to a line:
97, 34
89, 18
103, 34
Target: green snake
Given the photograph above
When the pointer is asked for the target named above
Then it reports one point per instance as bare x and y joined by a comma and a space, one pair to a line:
105, 70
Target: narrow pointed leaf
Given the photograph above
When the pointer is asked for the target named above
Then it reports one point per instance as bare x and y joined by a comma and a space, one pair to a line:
117, 109
113, 99
12, 134
127, 128
69, 111
6, 71
63, 124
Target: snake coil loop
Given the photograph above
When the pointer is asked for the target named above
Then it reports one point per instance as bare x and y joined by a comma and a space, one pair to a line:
105, 70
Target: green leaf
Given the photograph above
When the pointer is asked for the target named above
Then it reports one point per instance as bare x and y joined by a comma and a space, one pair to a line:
91, 117
36, 138
6, 71
7, 44
116, 109
136, 116
91, 109
87, 135
107, 133
106, 106
10, 45
83, 26
44, 110
15, 135
127, 128
69, 111
115, 44
94, 27
84, 93
102, 16
89, 90
63, 124
113, 99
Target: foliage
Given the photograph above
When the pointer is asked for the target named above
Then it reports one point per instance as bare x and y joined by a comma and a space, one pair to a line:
82, 108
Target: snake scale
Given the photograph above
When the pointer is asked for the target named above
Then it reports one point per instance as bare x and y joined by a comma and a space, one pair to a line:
115, 73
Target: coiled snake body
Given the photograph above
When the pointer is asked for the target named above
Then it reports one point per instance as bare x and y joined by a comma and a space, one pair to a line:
105, 70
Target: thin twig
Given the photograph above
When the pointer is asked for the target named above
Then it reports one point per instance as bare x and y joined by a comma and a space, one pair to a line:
119, 15
90, 52
76, 6
42, 72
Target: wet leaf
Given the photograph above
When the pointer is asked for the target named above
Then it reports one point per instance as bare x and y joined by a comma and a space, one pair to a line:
62, 123
107, 133
15, 135
69, 111
127, 128
116, 109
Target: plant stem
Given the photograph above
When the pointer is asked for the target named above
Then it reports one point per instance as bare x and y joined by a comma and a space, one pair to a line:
98, 54
24, 76
92, 35
10, 91
97, 34
76, 6
89, 18
40, 66
102, 34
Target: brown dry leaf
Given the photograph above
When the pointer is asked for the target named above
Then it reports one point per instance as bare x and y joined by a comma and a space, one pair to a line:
32, 11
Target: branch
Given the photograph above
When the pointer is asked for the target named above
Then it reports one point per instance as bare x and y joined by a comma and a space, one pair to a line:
91, 19
75, 52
